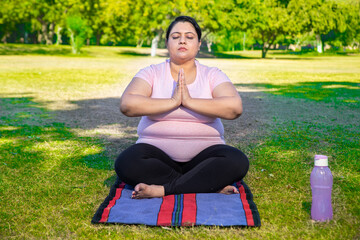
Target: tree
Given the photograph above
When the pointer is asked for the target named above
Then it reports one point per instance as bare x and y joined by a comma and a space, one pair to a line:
320, 17
11, 13
116, 16
276, 23
44, 15
78, 32
211, 16
351, 35
267, 21
142, 20
92, 12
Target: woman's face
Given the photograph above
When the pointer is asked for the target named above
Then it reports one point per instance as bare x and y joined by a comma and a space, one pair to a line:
183, 43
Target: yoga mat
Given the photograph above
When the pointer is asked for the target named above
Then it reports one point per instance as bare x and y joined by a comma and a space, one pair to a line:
191, 209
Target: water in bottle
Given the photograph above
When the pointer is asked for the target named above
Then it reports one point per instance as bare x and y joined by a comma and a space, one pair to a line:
321, 181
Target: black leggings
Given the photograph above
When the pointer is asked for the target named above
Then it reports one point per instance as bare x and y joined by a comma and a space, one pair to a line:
211, 170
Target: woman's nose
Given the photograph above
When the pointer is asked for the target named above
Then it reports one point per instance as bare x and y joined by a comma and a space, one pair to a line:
182, 40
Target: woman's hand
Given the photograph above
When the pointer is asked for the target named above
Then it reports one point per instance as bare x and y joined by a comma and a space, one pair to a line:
181, 94
185, 95
177, 95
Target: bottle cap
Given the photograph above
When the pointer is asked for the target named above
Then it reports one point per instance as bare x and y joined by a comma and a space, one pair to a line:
321, 161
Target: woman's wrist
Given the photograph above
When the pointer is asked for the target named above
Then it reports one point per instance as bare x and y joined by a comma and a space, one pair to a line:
175, 102
187, 102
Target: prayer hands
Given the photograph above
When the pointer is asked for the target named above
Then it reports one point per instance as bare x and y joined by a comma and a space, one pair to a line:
181, 94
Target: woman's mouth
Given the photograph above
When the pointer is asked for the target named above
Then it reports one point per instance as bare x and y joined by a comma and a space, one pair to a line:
182, 49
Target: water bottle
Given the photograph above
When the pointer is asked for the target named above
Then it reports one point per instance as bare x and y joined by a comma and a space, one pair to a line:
321, 181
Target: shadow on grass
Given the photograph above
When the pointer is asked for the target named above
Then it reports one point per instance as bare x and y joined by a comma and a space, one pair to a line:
132, 53
7, 49
223, 55
306, 206
252, 55
65, 50
315, 53
30, 138
338, 92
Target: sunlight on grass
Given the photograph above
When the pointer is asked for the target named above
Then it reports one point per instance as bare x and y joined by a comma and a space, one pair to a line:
343, 86
8, 128
351, 101
286, 160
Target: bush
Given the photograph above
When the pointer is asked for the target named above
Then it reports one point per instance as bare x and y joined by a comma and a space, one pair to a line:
78, 32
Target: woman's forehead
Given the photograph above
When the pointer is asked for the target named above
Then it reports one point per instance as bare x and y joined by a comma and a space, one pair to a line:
183, 27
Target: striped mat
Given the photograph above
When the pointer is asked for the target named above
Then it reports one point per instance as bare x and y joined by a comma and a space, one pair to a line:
212, 209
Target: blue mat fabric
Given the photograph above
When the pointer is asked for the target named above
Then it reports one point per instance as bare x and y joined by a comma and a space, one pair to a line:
192, 209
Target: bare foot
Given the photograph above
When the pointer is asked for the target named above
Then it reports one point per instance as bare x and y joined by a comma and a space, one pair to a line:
229, 190
143, 190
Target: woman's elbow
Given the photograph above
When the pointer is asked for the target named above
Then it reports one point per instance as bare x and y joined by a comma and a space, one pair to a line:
236, 110
235, 113
125, 108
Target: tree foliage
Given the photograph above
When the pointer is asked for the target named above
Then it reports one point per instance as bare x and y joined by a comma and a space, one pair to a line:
78, 32
223, 22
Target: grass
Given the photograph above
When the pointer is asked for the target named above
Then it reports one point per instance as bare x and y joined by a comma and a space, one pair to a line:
60, 131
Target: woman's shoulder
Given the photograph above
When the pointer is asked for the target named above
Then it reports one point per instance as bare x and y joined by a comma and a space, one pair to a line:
156, 67
208, 71
151, 71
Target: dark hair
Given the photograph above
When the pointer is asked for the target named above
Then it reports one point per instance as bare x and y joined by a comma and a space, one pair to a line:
184, 19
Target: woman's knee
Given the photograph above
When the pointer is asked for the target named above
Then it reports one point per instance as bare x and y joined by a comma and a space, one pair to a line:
237, 160
126, 162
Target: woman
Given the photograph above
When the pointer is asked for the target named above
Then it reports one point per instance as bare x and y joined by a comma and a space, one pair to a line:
181, 147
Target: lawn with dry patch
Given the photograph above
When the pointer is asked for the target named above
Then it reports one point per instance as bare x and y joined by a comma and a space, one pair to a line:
61, 129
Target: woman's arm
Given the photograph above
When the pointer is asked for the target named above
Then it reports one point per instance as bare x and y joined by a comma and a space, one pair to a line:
136, 100
226, 102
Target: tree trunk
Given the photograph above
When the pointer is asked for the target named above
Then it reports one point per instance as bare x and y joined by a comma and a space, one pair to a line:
267, 44
322, 44
44, 32
98, 38
50, 34
4, 39
244, 41
58, 35
154, 45
319, 46
140, 43
264, 51
40, 37
208, 44
26, 37
72, 41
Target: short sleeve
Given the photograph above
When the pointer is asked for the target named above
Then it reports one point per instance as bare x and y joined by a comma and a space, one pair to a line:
146, 74
217, 77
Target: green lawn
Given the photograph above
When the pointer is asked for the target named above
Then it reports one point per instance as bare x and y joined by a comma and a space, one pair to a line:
60, 131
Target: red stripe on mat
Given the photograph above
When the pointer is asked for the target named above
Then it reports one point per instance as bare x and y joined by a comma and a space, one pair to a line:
106, 212
189, 210
247, 209
166, 210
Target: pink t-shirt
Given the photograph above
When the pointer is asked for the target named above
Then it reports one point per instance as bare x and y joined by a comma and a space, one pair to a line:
181, 133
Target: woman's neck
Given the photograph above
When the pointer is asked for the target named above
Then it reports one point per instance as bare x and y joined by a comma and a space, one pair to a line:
189, 70
188, 66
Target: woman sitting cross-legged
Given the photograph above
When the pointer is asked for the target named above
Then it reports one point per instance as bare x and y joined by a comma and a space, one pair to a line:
181, 147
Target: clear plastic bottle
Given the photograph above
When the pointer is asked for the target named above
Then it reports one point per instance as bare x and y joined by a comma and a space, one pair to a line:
321, 181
